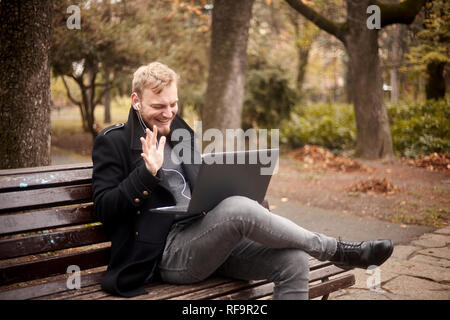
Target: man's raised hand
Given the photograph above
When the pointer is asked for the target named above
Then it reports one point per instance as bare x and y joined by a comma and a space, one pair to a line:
152, 154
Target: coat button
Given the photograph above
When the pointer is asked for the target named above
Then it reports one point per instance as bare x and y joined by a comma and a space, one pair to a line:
137, 200
145, 193
138, 212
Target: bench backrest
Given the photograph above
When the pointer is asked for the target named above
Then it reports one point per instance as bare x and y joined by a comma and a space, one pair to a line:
47, 223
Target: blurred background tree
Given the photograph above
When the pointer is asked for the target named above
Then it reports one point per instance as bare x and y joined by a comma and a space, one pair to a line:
373, 132
114, 39
430, 53
94, 54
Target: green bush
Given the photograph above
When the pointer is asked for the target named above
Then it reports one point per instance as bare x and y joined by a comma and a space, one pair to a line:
268, 99
328, 125
420, 128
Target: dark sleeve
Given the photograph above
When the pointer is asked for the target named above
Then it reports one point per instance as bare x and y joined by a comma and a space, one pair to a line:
115, 195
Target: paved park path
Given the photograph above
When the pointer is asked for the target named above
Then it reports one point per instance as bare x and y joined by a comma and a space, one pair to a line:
419, 270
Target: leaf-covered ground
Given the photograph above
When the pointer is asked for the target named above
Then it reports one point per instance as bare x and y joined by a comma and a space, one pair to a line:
401, 191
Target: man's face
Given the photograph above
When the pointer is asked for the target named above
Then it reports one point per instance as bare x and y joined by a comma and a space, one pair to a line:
159, 109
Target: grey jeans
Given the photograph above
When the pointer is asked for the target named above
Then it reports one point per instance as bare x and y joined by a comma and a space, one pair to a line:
241, 239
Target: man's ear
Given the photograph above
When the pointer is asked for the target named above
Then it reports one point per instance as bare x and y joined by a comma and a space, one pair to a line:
135, 101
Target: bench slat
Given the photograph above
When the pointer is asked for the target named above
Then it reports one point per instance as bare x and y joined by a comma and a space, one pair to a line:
325, 272
71, 294
156, 291
44, 179
54, 168
39, 198
267, 289
52, 241
316, 264
50, 287
218, 290
164, 289
46, 267
46, 218
167, 291
332, 285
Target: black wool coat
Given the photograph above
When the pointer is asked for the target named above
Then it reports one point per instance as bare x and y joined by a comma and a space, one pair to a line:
123, 193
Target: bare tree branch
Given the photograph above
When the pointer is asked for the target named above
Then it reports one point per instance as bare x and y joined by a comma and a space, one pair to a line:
71, 98
79, 80
336, 29
92, 93
403, 12
99, 98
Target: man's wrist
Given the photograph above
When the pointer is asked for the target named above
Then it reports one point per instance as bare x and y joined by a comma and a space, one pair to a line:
147, 177
153, 171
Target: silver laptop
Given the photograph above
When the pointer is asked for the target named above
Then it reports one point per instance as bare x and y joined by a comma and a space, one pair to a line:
222, 175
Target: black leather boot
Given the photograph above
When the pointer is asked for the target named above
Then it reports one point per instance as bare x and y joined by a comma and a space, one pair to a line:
362, 254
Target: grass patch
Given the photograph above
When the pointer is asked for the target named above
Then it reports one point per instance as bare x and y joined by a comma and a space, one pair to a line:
436, 216
433, 216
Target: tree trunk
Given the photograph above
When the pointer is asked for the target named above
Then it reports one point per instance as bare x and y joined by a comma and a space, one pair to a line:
25, 29
373, 131
447, 77
226, 79
394, 85
396, 59
87, 104
348, 82
435, 87
107, 101
303, 43
303, 55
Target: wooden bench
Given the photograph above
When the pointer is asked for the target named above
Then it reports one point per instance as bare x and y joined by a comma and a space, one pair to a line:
47, 224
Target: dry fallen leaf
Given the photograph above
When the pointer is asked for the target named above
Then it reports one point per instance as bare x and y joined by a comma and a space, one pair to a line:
373, 186
432, 162
320, 158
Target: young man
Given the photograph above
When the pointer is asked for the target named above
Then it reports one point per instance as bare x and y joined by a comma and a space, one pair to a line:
134, 171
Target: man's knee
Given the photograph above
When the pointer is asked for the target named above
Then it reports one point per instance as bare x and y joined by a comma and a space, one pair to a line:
236, 201
237, 206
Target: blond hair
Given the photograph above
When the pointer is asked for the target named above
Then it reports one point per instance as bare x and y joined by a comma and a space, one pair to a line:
156, 75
